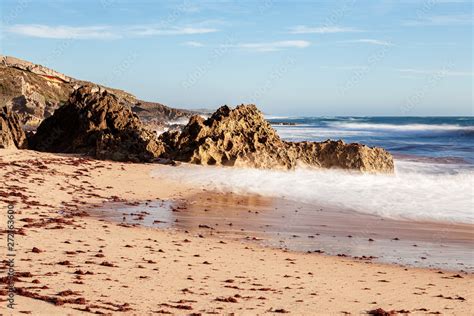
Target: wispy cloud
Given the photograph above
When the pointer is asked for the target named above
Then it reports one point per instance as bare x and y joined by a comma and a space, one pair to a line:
193, 44
441, 20
370, 41
354, 67
151, 30
302, 29
429, 72
62, 32
102, 31
270, 46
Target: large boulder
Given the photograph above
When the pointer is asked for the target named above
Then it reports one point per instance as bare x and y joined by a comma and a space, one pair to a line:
11, 133
337, 154
93, 122
242, 137
239, 137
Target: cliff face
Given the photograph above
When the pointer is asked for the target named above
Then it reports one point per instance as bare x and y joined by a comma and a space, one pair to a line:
39, 70
34, 92
242, 137
31, 96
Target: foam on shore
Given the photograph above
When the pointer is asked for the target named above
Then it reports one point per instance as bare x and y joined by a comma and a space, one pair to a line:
417, 191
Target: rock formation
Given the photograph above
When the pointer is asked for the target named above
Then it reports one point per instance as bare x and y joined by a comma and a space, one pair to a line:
34, 92
11, 133
81, 117
93, 122
31, 96
337, 154
242, 137
17, 63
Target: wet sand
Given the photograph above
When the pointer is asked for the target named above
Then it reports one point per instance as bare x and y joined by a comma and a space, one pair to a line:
303, 227
69, 263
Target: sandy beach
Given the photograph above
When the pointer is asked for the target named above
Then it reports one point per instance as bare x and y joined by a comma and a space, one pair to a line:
69, 262
236, 158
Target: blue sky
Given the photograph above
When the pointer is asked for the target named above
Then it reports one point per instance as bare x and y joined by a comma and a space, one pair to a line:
353, 57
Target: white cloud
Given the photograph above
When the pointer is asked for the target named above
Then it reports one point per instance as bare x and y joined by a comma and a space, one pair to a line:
101, 32
271, 46
369, 41
441, 20
193, 44
151, 30
355, 67
62, 32
439, 72
301, 29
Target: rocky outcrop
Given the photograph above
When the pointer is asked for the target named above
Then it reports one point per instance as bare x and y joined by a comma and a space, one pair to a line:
35, 92
81, 117
337, 154
152, 111
242, 137
31, 96
93, 122
11, 133
50, 74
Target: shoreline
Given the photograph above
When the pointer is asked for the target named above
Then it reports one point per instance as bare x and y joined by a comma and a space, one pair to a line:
310, 228
143, 270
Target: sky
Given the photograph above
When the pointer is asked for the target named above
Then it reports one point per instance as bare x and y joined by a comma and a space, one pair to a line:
314, 58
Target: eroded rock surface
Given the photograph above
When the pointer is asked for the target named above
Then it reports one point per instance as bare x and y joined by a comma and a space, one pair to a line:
11, 133
239, 137
93, 122
17, 63
337, 154
242, 137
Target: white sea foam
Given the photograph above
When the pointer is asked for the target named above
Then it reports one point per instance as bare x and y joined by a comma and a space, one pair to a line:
304, 133
417, 191
180, 121
404, 127
277, 117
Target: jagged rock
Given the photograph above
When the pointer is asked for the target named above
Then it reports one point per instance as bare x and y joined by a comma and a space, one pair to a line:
93, 122
337, 154
11, 133
242, 137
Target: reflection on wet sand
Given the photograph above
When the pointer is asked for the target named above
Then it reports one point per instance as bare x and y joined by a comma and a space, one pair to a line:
302, 227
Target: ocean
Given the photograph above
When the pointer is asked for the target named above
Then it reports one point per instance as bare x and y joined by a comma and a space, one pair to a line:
434, 168
446, 140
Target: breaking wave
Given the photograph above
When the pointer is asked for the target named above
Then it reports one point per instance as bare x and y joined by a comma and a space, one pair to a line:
417, 191
402, 127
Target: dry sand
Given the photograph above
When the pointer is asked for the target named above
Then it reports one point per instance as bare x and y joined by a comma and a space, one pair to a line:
117, 269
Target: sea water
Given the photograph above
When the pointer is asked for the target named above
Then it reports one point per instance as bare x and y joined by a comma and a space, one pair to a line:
434, 168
